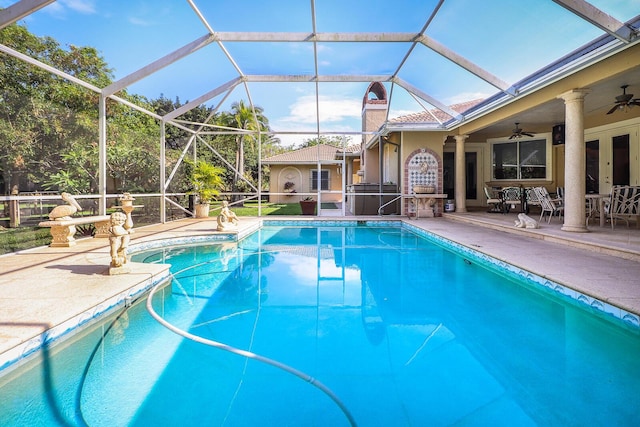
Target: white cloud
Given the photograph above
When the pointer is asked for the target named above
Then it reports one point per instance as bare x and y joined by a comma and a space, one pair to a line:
291, 140
86, 7
336, 115
55, 9
60, 8
332, 109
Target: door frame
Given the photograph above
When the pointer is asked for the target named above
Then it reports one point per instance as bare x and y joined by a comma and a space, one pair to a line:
478, 149
605, 135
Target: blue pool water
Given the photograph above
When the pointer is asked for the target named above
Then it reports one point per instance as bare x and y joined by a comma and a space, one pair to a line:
403, 331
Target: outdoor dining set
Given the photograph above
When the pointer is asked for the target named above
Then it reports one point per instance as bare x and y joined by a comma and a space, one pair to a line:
623, 203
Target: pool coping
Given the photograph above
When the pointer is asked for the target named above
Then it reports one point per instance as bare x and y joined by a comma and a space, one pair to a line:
75, 324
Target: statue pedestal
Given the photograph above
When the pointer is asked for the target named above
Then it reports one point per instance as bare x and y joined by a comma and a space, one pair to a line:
114, 271
424, 205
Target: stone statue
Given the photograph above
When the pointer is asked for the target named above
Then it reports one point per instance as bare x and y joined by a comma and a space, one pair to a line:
227, 220
65, 211
119, 241
126, 201
525, 221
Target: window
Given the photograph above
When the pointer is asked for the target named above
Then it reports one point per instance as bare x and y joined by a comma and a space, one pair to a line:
520, 159
324, 180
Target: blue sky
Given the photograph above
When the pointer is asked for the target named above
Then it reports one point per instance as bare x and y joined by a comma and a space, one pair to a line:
510, 39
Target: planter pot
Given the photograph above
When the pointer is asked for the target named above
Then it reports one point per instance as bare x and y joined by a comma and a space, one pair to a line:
308, 207
202, 210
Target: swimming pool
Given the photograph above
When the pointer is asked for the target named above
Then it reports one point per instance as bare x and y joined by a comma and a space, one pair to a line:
401, 329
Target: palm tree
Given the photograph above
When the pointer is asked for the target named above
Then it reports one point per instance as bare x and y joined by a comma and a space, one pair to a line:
242, 117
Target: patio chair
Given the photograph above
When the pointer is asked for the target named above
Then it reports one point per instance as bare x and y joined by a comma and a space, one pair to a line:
494, 200
623, 204
547, 204
531, 199
512, 197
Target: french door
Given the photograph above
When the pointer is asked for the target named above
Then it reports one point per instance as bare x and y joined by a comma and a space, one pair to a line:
472, 175
608, 161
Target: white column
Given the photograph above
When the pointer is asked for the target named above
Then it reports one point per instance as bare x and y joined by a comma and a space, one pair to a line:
460, 181
575, 161
102, 154
163, 174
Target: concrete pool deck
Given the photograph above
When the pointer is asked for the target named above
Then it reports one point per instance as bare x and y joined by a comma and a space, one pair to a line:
46, 287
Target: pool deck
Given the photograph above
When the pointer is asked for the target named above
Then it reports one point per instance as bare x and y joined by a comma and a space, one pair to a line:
46, 287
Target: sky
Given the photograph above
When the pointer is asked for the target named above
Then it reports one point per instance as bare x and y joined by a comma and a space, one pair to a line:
510, 39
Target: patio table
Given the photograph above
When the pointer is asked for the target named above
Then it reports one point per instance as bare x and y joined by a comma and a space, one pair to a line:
596, 207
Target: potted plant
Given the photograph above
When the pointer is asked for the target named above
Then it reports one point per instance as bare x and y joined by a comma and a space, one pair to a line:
289, 187
206, 182
308, 206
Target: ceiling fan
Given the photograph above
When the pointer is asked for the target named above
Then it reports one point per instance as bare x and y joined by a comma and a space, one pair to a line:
519, 133
624, 101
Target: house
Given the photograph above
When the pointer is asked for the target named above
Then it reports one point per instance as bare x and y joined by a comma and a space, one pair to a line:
568, 128
319, 171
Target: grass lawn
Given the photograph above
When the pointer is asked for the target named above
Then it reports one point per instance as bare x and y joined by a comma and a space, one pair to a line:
251, 209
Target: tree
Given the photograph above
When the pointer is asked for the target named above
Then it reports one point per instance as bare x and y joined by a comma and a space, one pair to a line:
242, 117
336, 141
49, 127
175, 137
43, 116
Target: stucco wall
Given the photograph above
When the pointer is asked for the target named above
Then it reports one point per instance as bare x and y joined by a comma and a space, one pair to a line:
412, 141
300, 176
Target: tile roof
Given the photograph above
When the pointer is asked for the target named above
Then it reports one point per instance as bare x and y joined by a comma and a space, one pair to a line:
354, 148
305, 155
435, 115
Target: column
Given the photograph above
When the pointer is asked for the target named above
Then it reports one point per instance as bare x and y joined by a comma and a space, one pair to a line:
460, 181
14, 208
575, 161
102, 154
